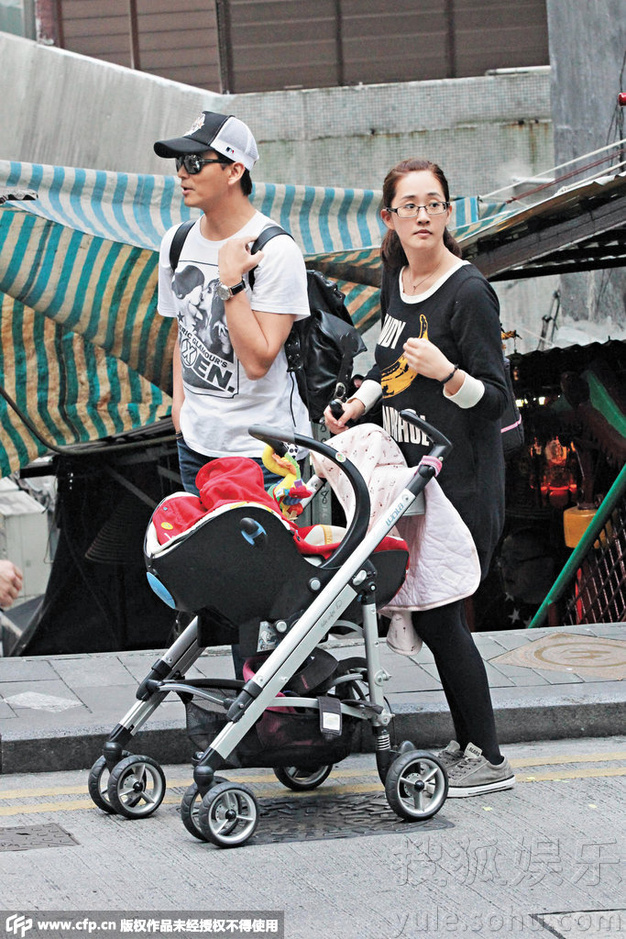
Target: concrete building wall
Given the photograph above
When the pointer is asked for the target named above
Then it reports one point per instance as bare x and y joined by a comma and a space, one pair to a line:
61, 108
588, 57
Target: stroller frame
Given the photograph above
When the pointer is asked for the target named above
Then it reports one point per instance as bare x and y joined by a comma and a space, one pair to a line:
225, 813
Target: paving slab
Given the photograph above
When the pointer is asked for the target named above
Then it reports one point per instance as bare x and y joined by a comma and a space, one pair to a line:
33, 669
519, 675
91, 672
551, 683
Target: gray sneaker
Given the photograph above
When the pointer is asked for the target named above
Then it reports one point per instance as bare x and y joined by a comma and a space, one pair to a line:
451, 755
474, 775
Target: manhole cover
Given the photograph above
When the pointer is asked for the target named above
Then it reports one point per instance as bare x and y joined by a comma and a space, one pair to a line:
567, 652
35, 836
343, 816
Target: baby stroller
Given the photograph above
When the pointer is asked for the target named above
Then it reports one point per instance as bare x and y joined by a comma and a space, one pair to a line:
298, 710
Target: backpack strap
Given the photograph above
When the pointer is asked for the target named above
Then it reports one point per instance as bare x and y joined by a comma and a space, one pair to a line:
266, 235
293, 349
180, 236
178, 241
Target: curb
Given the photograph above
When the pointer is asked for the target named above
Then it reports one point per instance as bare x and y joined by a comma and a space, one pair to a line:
519, 720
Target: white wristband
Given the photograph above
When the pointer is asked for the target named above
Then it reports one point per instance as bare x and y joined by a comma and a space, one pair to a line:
368, 394
469, 394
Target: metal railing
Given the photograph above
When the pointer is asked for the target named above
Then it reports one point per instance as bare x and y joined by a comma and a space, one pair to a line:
591, 588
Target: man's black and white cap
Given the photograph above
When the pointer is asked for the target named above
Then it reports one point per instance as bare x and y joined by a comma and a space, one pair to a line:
210, 131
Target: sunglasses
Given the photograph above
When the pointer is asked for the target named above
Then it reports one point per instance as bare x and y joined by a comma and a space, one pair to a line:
192, 163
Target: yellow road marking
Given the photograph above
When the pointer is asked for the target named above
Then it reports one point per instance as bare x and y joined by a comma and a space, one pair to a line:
571, 758
574, 774
40, 807
261, 777
81, 789
325, 790
47, 791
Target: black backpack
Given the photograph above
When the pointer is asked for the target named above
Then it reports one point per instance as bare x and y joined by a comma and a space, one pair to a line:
320, 350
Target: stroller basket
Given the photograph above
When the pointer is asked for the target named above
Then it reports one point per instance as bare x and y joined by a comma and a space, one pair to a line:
279, 737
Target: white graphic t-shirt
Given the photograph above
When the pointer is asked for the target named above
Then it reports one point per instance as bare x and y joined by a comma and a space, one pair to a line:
220, 401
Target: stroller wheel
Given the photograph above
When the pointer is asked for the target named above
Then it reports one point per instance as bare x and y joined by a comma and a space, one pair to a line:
189, 806
416, 785
189, 811
228, 815
136, 786
98, 782
300, 778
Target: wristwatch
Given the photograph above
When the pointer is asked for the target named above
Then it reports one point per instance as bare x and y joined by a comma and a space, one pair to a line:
225, 293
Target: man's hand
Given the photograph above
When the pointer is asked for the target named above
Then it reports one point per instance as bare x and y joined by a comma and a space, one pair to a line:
11, 581
234, 259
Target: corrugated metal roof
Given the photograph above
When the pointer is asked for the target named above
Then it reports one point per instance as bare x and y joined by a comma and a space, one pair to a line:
579, 229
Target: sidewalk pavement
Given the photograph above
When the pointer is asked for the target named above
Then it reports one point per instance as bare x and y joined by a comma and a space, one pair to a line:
551, 683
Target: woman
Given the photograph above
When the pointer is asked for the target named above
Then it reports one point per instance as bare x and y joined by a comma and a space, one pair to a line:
440, 353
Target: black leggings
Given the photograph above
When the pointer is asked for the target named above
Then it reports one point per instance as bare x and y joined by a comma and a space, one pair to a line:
462, 674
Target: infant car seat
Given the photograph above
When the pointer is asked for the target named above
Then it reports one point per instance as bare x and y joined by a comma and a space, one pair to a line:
230, 554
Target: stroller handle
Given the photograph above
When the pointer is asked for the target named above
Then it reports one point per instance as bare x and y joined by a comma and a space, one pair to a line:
357, 529
441, 445
426, 469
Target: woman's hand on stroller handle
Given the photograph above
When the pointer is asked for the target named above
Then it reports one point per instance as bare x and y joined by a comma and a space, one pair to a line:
340, 415
336, 407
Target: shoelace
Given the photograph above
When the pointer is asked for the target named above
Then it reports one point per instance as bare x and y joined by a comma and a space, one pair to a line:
466, 762
450, 757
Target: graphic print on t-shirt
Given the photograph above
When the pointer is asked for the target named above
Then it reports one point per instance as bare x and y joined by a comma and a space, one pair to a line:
396, 377
208, 359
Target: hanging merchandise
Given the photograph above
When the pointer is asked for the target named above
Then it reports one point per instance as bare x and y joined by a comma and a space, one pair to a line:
558, 485
577, 519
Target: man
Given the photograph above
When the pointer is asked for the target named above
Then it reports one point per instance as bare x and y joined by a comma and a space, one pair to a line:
230, 368
11, 581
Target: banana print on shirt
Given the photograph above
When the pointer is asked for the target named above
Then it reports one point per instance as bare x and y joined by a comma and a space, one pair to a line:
399, 375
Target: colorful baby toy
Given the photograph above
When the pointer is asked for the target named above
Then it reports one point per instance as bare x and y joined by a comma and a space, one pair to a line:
290, 492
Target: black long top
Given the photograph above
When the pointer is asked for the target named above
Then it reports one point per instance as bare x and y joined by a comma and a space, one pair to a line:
461, 317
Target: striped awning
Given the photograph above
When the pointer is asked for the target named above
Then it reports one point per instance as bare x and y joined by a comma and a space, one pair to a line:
84, 353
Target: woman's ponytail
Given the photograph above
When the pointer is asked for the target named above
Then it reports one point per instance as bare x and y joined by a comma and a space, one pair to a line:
391, 251
452, 244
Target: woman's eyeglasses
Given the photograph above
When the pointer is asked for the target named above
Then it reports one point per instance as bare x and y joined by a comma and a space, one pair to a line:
410, 210
192, 163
